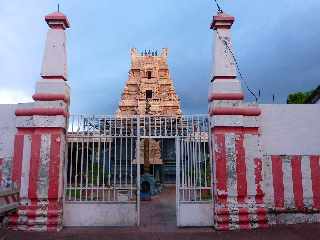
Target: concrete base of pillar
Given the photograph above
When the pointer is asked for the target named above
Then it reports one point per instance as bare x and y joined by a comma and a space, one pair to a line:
40, 215
234, 217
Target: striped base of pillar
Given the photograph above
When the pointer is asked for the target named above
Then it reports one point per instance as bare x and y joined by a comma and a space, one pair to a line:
231, 218
38, 216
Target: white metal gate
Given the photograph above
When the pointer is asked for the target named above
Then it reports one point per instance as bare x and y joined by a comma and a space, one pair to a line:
193, 176
102, 172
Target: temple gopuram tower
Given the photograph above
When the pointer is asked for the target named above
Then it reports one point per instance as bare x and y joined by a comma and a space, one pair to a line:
149, 89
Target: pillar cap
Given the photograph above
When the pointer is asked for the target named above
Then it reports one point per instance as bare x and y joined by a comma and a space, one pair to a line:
222, 20
57, 20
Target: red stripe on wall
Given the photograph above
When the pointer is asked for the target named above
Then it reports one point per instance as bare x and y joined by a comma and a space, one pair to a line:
241, 180
258, 180
315, 177
54, 166
278, 186
297, 181
247, 130
34, 166
17, 159
54, 175
221, 168
241, 168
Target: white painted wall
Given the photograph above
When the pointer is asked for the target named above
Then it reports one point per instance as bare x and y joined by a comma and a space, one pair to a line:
7, 132
195, 215
290, 129
99, 214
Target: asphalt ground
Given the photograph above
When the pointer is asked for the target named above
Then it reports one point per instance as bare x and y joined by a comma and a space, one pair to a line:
292, 232
158, 221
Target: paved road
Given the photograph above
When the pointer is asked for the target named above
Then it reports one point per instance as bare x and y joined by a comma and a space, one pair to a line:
306, 232
158, 221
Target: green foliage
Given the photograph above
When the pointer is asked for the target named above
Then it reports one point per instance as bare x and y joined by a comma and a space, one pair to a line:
298, 98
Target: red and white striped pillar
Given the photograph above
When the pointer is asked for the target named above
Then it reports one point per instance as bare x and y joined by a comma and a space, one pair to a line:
237, 154
39, 145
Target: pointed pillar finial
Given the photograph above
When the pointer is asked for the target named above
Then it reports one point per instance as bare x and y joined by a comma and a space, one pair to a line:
54, 65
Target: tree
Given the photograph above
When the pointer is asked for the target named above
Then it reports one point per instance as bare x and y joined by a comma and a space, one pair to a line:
298, 98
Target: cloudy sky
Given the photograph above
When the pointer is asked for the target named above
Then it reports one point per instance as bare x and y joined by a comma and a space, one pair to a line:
276, 42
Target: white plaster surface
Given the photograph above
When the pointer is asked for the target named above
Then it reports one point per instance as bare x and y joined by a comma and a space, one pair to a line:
53, 86
268, 182
91, 214
222, 59
41, 121
226, 86
251, 152
290, 129
7, 132
235, 121
25, 166
306, 182
288, 183
195, 215
55, 56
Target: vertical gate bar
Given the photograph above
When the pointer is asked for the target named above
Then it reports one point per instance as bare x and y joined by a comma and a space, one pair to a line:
182, 158
115, 169
204, 151
194, 168
192, 165
104, 168
165, 126
199, 156
98, 179
138, 171
76, 166
189, 167
131, 163
92, 165
109, 167
81, 169
126, 153
178, 161
71, 163
104, 159
131, 154
87, 165
120, 154
109, 159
